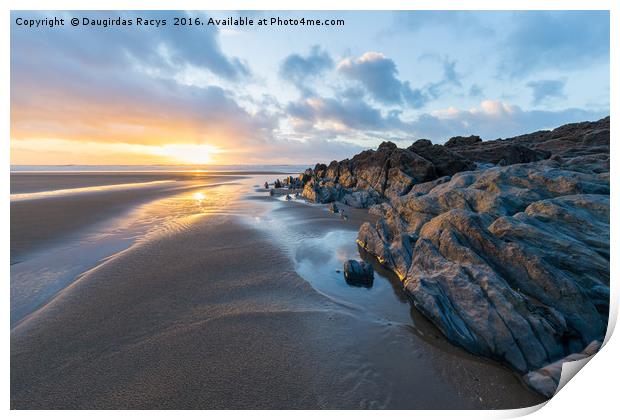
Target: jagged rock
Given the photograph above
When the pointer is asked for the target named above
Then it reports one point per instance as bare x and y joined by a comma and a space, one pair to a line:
445, 162
510, 262
345, 176
332, 171
361, 199
426, 187
570, 140
503, 245
320, 169
547, 379
322, 192
500, 152
358, 273
460, 141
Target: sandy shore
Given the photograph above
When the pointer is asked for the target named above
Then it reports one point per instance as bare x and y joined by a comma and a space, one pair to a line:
35, 225
216, 315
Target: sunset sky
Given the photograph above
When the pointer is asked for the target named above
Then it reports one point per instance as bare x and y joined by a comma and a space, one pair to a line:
235, 95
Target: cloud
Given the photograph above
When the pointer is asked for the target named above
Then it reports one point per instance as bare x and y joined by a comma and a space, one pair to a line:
450, 79
342, 115
493, 119
143, 89
118, 86
164, 47
554, 40
475, 91
546, 89
377, 74
298, 69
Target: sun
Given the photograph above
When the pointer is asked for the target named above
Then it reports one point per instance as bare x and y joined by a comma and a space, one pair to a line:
197, 154
199, 196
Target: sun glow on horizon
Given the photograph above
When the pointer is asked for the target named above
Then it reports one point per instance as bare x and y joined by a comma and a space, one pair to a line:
62, 152
198, 154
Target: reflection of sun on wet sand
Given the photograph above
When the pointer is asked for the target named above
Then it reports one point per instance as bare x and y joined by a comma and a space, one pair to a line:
231, 300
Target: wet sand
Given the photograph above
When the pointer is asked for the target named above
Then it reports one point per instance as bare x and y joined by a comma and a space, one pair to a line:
35, 225
233, 311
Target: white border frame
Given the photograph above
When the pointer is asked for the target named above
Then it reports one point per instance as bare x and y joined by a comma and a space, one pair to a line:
591, 395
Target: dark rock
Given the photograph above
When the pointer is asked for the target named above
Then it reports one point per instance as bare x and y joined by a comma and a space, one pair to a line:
266, 185
320, 170
446, 162
460, 141
501, 152
358, 273
509, 257
332, 171
570, 140
523, 247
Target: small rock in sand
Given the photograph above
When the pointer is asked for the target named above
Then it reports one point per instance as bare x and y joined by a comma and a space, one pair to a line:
358, 273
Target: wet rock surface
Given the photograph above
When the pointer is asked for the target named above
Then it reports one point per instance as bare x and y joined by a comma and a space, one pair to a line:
358, 273
503, 245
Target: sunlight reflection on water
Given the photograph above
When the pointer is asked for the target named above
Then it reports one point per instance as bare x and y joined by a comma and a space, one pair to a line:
39, 276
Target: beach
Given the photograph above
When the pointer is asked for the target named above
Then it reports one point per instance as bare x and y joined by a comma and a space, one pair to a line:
205, 292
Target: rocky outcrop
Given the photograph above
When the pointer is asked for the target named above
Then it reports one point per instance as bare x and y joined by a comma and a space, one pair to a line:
445, 162
503, 245
499, 152
509, 262
570, 140
374, 176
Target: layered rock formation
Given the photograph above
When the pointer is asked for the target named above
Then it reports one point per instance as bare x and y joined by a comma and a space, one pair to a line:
503, 245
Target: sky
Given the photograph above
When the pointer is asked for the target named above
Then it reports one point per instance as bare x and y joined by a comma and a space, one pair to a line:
93, 95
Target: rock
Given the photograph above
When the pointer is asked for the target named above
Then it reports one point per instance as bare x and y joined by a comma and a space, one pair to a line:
361, 199
547, 379
460, 141
446, 162
500, 152
332, 171
266, 185
510, 262
570, 140
332, 208
320, 170
277, 184
503, 245
358, 273
325, 192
